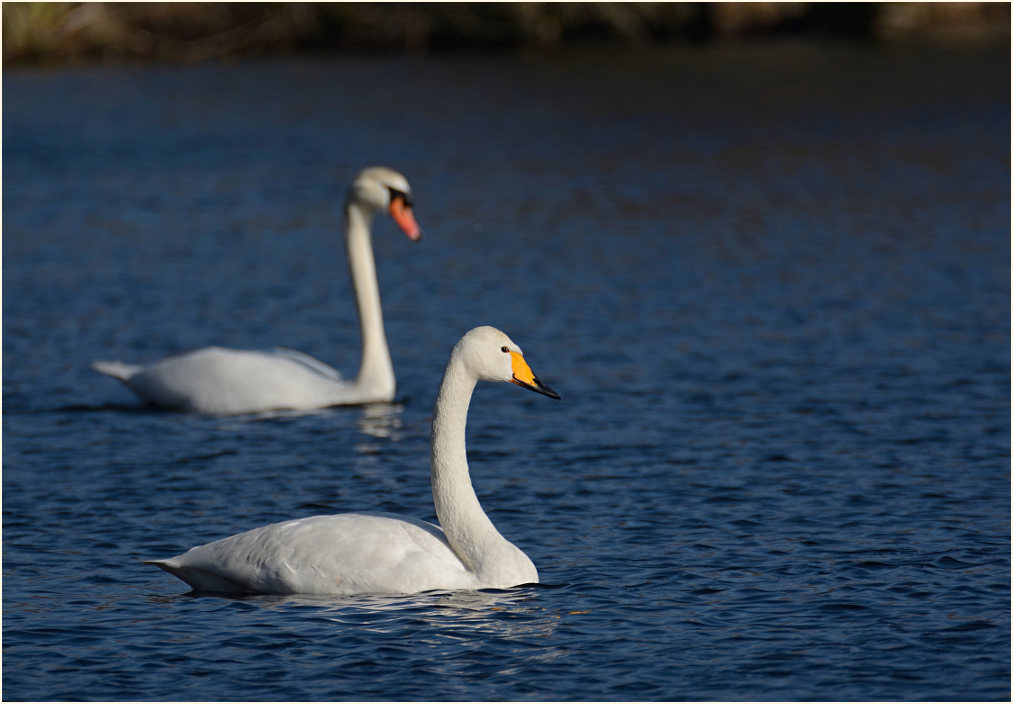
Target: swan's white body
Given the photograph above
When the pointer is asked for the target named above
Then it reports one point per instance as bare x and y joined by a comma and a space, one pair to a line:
376, 553
220, 381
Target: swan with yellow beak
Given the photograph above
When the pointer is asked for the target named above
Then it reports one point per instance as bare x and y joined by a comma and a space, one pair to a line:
383, 553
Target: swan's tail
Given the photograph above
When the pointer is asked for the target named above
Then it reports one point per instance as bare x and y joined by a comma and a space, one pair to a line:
200, 580
171, 567
117, 370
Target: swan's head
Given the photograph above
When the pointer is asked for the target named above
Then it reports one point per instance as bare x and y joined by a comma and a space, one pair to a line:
492, 356
378, 189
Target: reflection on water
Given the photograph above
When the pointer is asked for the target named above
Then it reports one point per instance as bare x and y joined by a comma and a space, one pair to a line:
381, 420
467, 602
509, 614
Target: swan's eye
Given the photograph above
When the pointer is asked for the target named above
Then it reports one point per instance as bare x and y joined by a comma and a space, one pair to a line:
504, 349
405, 197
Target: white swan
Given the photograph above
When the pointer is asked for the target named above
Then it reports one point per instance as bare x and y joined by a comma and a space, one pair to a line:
219, 381
376, 553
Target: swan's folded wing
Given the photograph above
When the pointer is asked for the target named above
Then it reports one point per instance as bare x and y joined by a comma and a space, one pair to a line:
342, 554
310, 363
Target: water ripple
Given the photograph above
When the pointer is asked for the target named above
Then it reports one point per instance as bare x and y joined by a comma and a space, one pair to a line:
780, 470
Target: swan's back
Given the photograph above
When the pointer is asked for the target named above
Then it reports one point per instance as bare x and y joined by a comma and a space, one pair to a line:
215, 380
350, 553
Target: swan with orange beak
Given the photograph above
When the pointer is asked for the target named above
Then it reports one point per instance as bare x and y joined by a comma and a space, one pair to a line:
220, 381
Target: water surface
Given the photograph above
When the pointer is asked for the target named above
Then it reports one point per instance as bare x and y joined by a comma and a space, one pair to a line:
771, 285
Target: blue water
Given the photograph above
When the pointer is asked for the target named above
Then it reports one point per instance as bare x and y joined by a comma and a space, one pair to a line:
770, 283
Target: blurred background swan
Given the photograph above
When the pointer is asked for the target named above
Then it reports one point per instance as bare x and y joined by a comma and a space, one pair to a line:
220, 381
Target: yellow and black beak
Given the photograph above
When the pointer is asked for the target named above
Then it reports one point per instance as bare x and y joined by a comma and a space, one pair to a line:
522, 376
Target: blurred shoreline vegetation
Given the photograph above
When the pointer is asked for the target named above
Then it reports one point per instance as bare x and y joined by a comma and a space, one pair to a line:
57, 33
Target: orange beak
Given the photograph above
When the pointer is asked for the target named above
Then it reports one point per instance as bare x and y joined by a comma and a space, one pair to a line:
403, 216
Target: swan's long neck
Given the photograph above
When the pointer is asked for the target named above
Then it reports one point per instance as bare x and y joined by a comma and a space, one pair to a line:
470, 532
376, 371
